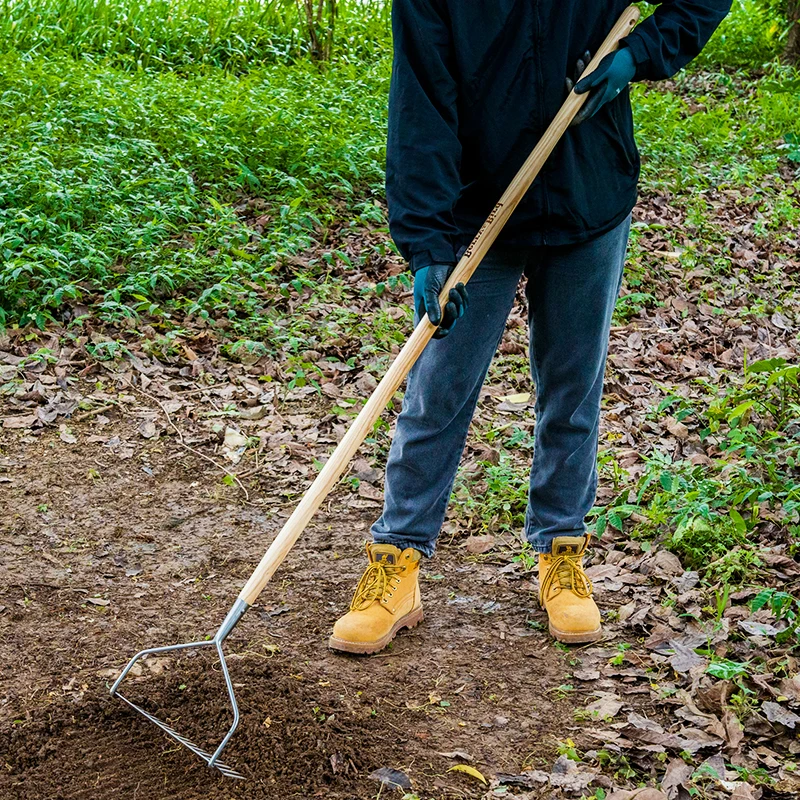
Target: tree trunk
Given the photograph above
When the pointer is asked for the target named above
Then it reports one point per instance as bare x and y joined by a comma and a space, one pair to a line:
320, 20
792, 53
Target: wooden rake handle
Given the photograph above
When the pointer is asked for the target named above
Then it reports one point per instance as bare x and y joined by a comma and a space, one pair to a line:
397, 372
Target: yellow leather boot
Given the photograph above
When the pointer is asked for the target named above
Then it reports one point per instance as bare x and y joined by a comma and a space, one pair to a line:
386, 600
565, 592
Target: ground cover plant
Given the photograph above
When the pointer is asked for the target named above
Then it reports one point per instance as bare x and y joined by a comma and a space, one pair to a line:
198, 293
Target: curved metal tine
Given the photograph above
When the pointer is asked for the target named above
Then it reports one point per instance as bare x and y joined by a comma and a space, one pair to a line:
234, 706
151, 651
188, 743
211, 760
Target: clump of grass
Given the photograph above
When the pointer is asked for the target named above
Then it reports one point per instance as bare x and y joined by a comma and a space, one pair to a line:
749, 37
497, 500
180, 34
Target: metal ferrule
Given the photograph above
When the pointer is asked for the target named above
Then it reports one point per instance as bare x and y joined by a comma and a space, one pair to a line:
238, 610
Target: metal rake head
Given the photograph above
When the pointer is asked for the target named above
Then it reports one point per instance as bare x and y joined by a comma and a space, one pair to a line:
212, 759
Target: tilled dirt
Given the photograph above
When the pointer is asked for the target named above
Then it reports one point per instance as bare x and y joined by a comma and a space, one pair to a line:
97, 748
101, 557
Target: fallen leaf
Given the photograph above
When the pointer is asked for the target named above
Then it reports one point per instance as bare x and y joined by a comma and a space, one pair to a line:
526, 780
744, 791
369, 492
460, 754
644, 724
790, 687
666, 565
477, 545
20, 421
734, 732
517, 399
471, 771
157, 665
677, 777
254, 413
684, 658
66, 435
98, 601
391, 777
147, 429
234, 445
779, 321
677, 429
754, 628
607, 707
777, 713
567, 776
234, 439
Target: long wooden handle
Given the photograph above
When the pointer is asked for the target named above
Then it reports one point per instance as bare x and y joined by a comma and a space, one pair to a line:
422, 334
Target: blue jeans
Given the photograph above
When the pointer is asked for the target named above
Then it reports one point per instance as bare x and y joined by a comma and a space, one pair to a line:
571, 291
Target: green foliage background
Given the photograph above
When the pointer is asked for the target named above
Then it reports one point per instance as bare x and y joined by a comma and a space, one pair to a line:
130, 131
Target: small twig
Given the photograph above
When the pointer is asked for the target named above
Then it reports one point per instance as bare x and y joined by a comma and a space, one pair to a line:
95, 412
191, 449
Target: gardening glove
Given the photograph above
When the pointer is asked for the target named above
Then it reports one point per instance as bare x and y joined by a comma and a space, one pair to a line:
613, 74
428, 285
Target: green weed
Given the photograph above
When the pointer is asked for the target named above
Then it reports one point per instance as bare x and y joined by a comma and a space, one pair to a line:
124, 186
785, 607
709, 512
498, 501
182, 34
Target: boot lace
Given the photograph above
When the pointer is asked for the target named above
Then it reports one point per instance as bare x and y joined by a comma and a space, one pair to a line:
378, 579
566, 571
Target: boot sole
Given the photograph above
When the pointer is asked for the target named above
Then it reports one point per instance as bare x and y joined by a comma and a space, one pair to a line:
576, 638
410, 620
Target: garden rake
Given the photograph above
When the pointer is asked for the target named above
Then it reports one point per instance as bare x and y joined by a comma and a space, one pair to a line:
363, 424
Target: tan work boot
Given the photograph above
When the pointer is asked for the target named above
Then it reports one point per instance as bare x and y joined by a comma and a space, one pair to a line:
386, 600
566, 593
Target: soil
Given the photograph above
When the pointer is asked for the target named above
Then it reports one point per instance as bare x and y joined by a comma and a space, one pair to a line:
102, 557
118, 533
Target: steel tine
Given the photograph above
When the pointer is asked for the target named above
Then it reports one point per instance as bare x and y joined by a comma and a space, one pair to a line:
211, 759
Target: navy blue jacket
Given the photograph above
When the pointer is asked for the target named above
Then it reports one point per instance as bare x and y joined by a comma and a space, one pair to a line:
474, 85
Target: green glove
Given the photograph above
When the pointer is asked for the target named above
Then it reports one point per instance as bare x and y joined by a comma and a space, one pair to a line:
428, 285
612, 75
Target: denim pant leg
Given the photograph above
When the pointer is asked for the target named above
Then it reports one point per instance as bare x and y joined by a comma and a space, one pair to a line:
571, 292
443, 389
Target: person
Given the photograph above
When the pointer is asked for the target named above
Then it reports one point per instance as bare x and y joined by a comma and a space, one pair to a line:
474, 85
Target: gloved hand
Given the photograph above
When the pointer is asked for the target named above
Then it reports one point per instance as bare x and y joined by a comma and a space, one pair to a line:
613, 74
428, 285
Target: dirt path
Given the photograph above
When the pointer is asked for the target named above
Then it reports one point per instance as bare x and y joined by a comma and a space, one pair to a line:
99, 558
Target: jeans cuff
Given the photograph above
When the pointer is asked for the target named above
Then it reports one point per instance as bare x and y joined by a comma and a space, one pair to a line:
403, 544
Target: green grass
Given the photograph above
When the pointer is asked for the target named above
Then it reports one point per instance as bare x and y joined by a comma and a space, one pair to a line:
120, 179
180, 34
750, 37
708, 514
732, 135
119, 189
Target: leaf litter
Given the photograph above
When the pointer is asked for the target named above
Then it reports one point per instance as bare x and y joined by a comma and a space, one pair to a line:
693, 689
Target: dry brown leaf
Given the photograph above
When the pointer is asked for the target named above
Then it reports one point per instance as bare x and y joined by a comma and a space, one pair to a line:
477, 545
777, 713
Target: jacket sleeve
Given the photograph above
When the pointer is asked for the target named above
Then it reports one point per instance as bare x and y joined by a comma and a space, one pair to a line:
669, 39
423, 153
